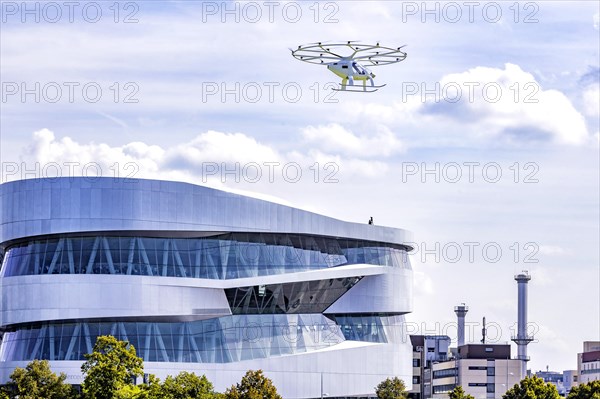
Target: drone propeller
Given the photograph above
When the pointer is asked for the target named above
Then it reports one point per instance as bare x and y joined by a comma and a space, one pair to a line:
383, 55
315, 53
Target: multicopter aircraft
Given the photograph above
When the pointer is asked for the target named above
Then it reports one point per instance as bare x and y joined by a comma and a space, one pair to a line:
351, 67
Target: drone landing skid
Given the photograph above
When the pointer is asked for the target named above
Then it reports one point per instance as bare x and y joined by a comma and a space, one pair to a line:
358, 89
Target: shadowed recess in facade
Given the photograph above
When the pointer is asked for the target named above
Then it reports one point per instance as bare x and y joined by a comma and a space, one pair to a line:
299, 297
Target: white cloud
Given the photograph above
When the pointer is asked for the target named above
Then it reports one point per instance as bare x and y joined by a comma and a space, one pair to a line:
489, 104
140, 160
46, 148
346, 165
195, 160
552, 250
591, 100
543, 276
215, 146
210, 146
423, 284
547, 334
596, 19
335, 138
514, 104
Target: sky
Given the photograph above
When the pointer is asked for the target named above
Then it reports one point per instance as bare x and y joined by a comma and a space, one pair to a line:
484, 142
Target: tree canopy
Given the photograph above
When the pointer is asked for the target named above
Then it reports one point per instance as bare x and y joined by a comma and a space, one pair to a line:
254, 385
111, 366
35, 381
187, 386
590, 390
532, 388
391, 388
459, 393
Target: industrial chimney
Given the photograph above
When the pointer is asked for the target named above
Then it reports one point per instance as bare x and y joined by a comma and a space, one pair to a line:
522, 339
461, 311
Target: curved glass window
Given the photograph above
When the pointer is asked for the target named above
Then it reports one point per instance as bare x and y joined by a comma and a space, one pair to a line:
225, 256
221, 340
372, 328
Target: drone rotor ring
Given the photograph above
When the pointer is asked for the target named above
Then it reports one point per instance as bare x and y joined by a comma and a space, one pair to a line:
318, 53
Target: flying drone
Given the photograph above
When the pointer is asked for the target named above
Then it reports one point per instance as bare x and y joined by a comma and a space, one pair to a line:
350, 68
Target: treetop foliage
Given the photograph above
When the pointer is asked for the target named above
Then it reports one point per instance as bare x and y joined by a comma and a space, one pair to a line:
391, 388
590, 390
111, 366
459, 393
532, 388
35, 381
254, 385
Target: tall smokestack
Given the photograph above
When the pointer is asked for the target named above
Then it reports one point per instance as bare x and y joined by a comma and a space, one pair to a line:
522, 339
461, 311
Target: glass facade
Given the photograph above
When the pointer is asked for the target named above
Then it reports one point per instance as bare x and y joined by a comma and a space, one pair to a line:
221, 340
267, 320
225, 256
371, 328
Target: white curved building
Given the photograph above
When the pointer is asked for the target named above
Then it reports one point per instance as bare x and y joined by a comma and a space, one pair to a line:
201, 280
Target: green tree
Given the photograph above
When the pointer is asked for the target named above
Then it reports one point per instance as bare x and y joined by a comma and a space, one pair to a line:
130, 392
187, 386
153, 389
391, 388
111, 366
532, 388
36, 380
459, 393
590, 390
254, 385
